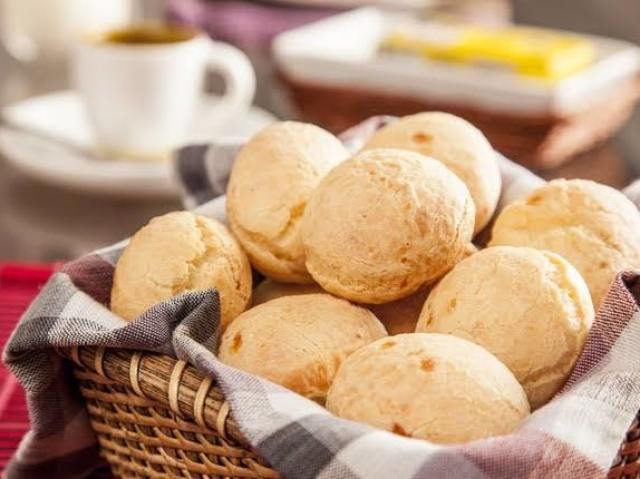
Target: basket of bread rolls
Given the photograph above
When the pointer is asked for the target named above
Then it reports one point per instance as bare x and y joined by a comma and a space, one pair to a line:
384, 286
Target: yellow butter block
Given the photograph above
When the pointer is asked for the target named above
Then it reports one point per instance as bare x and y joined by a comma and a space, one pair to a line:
535, 52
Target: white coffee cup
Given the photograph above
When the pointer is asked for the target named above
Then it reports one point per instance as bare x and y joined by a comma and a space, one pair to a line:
142, 97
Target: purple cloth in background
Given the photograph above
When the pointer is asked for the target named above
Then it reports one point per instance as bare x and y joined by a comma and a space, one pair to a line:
243, 23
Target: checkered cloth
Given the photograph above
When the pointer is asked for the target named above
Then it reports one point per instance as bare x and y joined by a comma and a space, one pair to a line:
575, 435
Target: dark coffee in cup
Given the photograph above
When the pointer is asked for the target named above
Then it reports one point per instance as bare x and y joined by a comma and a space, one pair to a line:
149, 34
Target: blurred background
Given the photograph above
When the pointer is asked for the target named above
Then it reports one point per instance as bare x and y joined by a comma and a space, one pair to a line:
59, 200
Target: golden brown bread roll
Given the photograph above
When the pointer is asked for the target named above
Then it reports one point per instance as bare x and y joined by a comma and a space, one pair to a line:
530, 308
176, 253
299, 341
429, 386
383, 223
270, 183
593, 226
455, 142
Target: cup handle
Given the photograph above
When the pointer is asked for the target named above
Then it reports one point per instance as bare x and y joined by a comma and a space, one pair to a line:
239, 78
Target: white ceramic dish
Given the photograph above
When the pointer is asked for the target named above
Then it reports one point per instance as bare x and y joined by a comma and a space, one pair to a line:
342, 51
48, 139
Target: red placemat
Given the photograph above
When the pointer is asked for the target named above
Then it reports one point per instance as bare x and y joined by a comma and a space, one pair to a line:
19, 284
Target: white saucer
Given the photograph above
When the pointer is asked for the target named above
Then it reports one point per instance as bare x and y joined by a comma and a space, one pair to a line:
48, 138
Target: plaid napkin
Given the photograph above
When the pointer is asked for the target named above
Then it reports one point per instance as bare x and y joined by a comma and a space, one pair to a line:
576, 435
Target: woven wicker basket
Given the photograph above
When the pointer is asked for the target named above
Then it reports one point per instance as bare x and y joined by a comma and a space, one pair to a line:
158, 417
